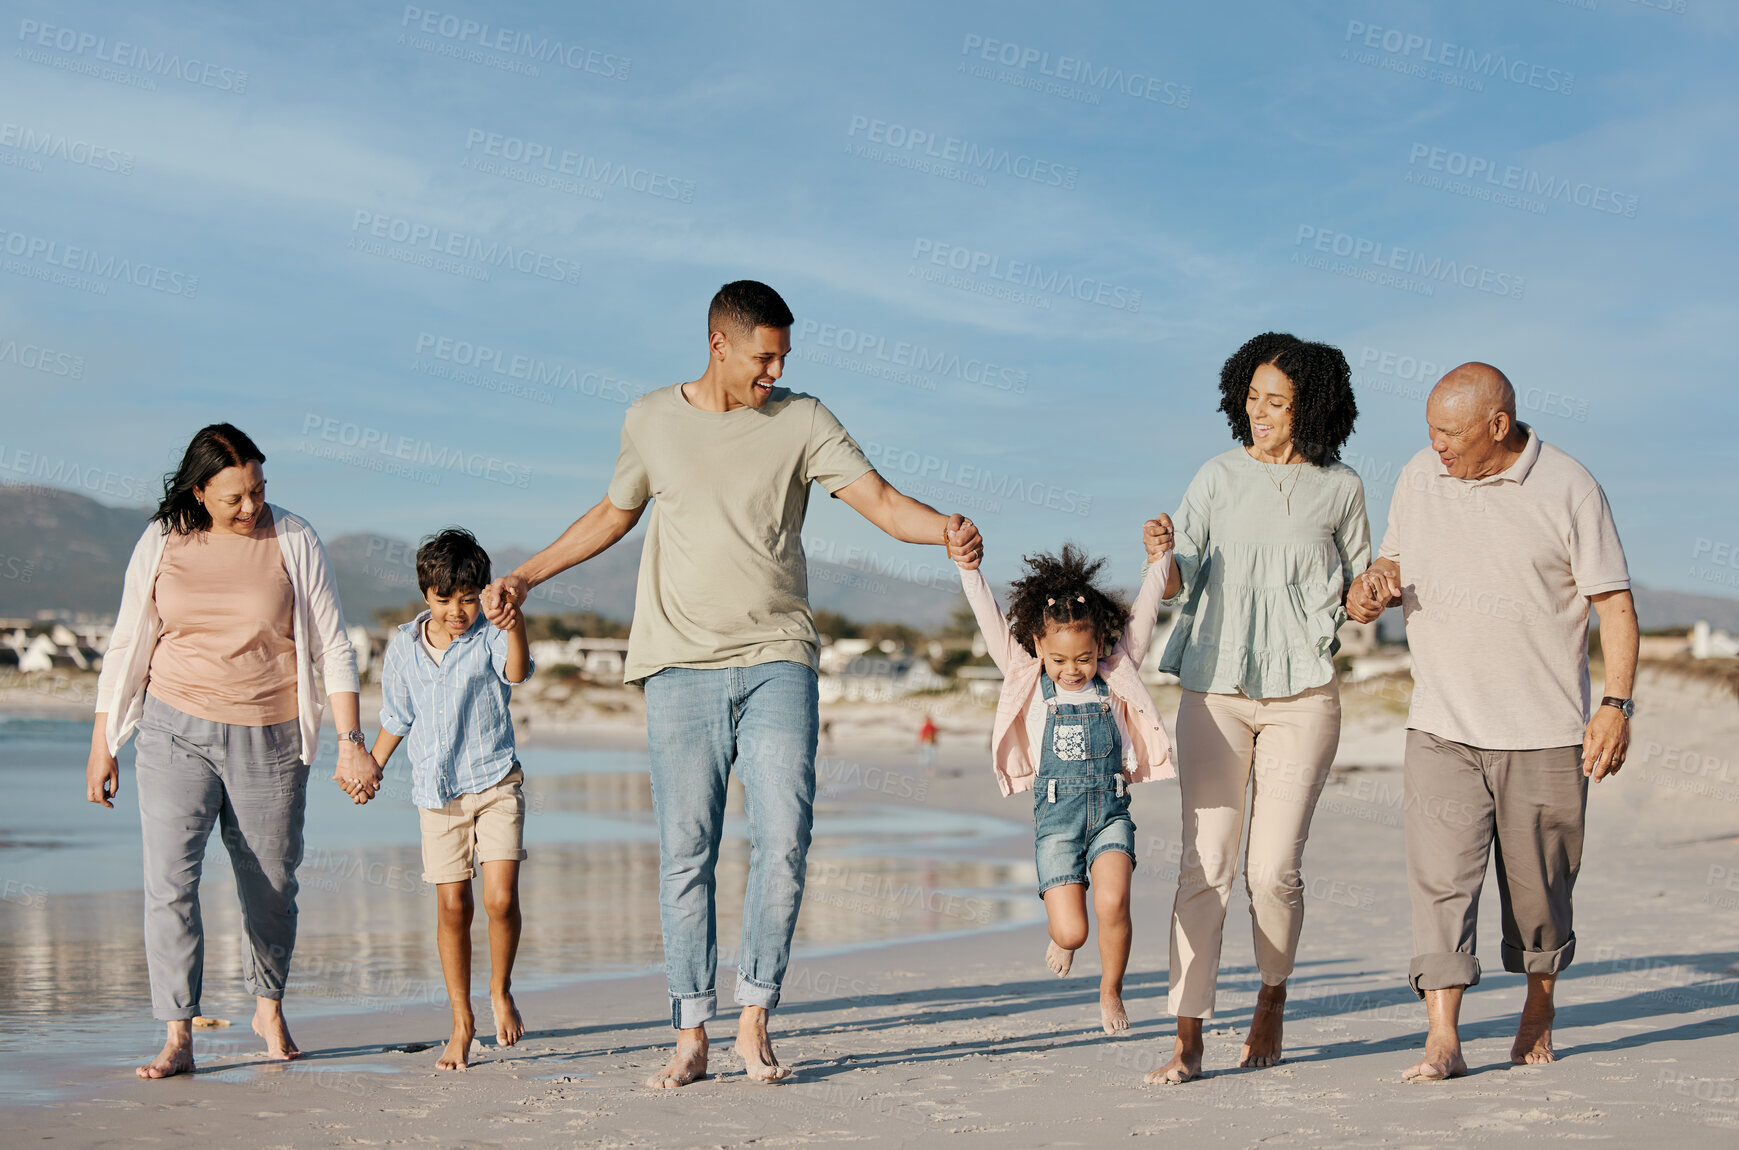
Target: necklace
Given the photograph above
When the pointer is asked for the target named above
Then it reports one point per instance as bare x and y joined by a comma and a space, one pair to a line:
1285, 493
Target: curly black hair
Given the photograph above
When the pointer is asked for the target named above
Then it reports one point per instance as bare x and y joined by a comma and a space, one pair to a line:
1323, 408
1060, 589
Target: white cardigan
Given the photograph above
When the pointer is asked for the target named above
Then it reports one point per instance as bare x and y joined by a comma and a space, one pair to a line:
318, 623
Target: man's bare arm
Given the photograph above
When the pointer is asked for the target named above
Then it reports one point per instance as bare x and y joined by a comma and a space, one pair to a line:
592, 533
1606, 741
908, 520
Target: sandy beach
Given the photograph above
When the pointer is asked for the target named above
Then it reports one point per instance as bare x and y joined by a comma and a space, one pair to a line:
964, 1036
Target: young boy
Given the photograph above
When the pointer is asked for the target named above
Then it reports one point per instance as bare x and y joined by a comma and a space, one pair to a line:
445, 684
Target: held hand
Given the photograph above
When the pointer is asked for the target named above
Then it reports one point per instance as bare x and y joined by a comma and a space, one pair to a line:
1157, 537
102, 778
1364, 604
965, 545
357, 772
1605, 743
502, 597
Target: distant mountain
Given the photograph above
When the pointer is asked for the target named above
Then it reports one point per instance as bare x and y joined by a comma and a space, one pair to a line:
376, 571
60, 550
63, 551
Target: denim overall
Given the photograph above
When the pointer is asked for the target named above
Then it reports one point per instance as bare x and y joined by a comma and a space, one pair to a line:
1080, 800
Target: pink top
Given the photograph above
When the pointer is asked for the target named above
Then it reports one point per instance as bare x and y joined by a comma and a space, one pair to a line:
1011, 754
227, 653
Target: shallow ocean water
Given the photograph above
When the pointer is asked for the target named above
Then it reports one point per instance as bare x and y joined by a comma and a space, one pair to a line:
72, 963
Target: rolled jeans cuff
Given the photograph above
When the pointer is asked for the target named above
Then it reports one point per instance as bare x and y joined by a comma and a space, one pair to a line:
1519, 961
1442, 971
752, 993
688, 1011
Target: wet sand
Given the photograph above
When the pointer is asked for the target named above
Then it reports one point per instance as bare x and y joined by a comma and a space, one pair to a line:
969, 1039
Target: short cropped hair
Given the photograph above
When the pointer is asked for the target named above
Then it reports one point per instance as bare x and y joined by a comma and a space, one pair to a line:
744, 305
450, 562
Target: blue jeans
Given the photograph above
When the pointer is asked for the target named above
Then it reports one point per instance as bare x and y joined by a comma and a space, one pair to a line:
700, 724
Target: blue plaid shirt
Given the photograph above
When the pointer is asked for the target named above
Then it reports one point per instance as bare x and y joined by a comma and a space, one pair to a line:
452, 714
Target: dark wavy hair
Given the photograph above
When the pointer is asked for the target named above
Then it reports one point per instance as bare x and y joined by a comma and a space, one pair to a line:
214, 448
741, 306
450, 562
1061, 589
1323, 408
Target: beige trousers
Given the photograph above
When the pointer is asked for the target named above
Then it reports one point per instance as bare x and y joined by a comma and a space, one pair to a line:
1278, 752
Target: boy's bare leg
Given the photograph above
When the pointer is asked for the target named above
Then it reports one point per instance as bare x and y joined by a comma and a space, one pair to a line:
756, 1049
687, 1063
1267, 1025
269, 1024
176, 1057
501, 904
1066, 914
1186, 1056
1111, 872
453, 938
1443, 1041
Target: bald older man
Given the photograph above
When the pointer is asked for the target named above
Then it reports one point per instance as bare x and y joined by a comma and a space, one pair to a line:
1497, 545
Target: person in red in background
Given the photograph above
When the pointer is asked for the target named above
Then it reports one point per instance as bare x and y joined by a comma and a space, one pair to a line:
927, 744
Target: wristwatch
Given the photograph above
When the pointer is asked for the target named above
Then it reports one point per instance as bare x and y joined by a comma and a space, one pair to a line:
354, 737
1627, 706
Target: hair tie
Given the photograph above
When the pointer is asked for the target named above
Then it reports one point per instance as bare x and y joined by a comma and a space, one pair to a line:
1050, 602
1080, 598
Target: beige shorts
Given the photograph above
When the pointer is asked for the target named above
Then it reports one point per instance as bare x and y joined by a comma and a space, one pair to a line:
488, 826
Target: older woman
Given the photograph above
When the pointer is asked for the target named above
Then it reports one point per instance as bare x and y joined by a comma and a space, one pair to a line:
1268, 538
228, 609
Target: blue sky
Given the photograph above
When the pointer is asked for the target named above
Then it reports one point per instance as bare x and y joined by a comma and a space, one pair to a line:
1324, 169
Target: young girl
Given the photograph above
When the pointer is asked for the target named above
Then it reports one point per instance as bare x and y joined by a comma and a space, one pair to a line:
1075, 726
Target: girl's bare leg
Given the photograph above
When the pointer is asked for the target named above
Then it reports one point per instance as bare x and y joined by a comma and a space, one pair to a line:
1066, 911
1111, 871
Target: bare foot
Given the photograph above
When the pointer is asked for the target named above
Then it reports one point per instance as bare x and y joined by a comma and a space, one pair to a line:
1058, 959
1112, 1016
756, 1049
509, 1028
687, 1063
176, 1057
1440, 1062
457, 1055
1267, 1021
1185, 1064
1533, 1045
269, 1025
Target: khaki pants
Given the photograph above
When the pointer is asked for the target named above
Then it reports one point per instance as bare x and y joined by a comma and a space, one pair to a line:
1461, 801
1279, 751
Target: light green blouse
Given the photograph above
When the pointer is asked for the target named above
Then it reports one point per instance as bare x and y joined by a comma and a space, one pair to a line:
1264, 574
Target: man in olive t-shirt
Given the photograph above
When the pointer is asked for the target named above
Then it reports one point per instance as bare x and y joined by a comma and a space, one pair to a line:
724, 643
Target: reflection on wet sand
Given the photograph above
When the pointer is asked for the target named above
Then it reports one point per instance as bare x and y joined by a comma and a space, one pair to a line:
74, 964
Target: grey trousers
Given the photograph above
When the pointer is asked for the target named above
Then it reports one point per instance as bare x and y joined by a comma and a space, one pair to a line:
1460, 802
250, 782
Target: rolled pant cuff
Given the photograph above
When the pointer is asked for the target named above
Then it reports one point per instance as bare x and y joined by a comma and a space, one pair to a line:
688, 1011
1519, 961
176, 1014
259, 991
752, 993
1442, 971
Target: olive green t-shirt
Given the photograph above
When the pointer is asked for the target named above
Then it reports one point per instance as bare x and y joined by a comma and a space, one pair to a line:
723, 582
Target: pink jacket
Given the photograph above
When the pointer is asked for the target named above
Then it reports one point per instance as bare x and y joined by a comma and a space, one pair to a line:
1011, 756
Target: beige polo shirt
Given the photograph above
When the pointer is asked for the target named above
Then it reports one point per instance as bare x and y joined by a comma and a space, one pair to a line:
723, 580
1495, 579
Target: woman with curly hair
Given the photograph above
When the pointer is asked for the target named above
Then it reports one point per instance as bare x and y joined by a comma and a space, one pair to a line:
1267, 541
1075, 719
